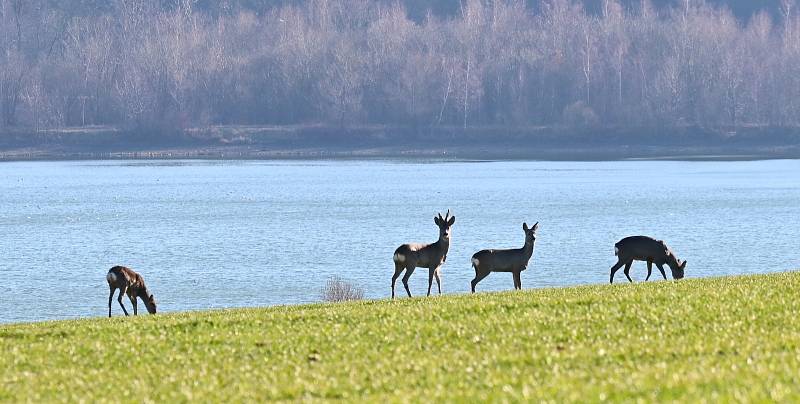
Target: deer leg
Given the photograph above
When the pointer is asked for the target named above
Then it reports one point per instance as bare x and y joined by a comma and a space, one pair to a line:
409, 271
122, 292
430, 278
649, 270
517, 281
110, 297
627, 271
661, 268
134, 303
397, 270
437, 275
614, 270
478, 277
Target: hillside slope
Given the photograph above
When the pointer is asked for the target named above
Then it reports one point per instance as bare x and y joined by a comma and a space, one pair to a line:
720, 339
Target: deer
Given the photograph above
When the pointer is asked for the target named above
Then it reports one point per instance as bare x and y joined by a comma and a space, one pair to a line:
131, 283
513, 260
415, 255
643, 248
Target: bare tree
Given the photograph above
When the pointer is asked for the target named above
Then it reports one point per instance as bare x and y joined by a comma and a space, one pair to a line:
160, 67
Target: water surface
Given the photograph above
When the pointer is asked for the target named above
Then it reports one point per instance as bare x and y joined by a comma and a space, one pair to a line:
227, 234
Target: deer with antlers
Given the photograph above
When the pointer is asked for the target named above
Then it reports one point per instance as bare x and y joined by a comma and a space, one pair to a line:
411, 256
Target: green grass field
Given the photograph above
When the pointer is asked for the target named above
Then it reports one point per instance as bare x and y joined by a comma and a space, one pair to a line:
735, 338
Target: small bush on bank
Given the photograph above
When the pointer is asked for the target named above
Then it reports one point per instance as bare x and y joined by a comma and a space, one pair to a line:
337, 289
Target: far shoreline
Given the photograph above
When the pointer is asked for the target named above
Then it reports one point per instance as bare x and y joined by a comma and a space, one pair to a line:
168, 155
406, 143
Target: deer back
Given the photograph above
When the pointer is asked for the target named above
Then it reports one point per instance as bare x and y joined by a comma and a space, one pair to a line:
123, 277
498, 260
423, 255
508, 259
641, 248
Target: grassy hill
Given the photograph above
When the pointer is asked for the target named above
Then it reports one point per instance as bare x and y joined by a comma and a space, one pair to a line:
729, 339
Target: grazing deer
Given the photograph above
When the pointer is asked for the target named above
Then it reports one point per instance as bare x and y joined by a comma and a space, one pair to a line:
643, 248
410, 256
513, 260
131, 283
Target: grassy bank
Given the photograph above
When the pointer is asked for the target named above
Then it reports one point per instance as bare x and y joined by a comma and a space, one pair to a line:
722, 338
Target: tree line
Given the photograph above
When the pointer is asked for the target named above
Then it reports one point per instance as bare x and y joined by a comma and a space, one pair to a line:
142, 65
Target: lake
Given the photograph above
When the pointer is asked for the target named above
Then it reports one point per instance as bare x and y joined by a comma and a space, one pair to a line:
215, 234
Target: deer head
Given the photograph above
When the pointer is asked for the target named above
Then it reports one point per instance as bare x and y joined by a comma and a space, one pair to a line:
149, 300
530, 233
676, 266
444, 224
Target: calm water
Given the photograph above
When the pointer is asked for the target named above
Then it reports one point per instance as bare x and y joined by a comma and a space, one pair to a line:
225, 234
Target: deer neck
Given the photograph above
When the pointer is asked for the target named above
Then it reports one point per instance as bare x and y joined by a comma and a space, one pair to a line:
527, 249
144, 294
443, 244
672, 262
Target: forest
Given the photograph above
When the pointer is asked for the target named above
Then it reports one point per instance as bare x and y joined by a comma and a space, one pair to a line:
162, 67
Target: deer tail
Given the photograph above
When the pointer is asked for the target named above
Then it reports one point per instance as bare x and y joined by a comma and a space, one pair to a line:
476, 262
616, 250
111, 277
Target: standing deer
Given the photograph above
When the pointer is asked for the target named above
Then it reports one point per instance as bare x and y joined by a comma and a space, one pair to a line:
131, 283
411, 256
513, 260
643, 248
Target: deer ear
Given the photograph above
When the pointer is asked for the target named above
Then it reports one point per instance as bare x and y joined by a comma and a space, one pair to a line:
436, 220
535, 226
525, 226
451, 221
683, 266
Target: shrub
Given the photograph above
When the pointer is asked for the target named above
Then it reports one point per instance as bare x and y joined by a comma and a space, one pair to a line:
339, 290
